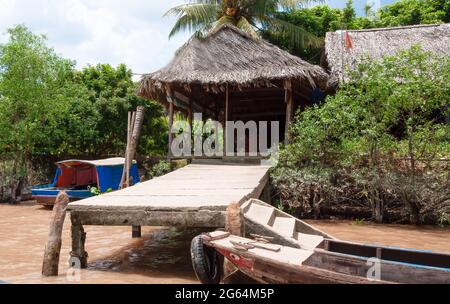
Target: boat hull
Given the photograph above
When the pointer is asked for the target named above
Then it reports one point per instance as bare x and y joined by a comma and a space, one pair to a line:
47, 196
323, 266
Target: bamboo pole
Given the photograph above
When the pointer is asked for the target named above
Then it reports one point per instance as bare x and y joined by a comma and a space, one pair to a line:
52, 252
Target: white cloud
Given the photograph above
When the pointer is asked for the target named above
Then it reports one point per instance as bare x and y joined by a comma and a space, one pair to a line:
100, 31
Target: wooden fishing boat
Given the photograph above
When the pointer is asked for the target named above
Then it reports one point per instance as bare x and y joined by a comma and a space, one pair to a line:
332, 262
285, 249
78, 177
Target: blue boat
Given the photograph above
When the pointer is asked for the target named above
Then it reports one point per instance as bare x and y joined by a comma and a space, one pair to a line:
78, 177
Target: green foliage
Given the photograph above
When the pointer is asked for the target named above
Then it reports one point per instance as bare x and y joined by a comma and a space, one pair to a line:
112, 94
37, 94
94, 191
34, 83
359, 222
49, 108
319, 20
444, 219
410, 12
161, 168
376, 141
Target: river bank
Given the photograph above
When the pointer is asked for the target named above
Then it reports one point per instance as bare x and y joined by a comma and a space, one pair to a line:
161, 255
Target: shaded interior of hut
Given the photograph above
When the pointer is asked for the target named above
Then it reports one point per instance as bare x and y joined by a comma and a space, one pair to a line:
277, 101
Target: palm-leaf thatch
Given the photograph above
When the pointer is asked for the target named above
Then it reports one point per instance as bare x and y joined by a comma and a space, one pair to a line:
345, 53
228, 56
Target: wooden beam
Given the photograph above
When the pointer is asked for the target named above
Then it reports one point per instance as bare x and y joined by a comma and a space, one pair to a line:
171, 112
191, 122
259, 114
125, 217
227, 110
289, 109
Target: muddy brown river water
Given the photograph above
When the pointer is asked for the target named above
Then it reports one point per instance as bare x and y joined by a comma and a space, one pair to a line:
161, 255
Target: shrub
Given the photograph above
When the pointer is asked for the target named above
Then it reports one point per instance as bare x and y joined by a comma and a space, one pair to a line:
379, 146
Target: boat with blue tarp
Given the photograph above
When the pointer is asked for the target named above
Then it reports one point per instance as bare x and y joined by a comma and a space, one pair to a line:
79, 177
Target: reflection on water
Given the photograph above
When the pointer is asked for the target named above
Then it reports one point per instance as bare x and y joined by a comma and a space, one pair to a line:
165, 250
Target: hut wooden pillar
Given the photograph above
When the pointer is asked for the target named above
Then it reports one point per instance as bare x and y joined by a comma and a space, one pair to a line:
289, 108
191, 119
227, 112
171, 113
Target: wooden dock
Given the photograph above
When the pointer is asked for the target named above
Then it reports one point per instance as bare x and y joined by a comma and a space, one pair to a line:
194, 196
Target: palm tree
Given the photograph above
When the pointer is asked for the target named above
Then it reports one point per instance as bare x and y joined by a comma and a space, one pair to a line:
203, 16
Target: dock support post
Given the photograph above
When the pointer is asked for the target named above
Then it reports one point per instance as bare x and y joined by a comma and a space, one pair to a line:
136, 232
53, 247
78, 256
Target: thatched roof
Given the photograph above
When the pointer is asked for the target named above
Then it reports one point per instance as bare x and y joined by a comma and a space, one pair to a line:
375, 43
230, 56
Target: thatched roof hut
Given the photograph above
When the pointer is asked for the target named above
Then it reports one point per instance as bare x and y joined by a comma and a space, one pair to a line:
230, 56
230, 76
345, 49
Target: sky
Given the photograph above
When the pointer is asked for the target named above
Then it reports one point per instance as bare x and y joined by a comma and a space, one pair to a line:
133, 32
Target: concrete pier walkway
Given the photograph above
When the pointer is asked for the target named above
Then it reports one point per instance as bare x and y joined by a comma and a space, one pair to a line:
194, 196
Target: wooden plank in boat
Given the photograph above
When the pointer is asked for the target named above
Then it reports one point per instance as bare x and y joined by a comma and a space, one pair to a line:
286, 254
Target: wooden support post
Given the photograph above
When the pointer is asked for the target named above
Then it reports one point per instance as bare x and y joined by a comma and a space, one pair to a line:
78, 254
53, 247
171, 113
289, 109
191, 121
137, 232
227, 110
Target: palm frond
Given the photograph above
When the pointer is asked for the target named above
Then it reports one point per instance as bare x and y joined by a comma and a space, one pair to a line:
192, 16
245, 26
300, 37
262, 7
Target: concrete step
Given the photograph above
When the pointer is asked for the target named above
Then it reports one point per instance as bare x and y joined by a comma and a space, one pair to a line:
285, 226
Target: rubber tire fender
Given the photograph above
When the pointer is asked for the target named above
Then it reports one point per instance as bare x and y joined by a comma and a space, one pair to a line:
206, 262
